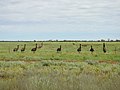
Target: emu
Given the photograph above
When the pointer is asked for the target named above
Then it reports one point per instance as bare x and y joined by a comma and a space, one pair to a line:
23, 49
34, 49
79, 49
16, 49
104, 48
59, 49
91, 49
40, 46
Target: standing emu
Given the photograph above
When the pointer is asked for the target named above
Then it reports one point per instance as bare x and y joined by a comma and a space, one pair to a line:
91, 49
104, 48
23, 49
59, 49
16, 49
79, 49
34, 49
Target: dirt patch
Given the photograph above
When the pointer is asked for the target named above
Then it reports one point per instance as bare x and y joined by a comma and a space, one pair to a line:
109, 61
33, 61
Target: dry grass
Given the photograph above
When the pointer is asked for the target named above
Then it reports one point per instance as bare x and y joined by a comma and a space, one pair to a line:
59, 75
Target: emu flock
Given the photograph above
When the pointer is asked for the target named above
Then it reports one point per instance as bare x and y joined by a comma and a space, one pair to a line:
58, 49
24, 48
92, 49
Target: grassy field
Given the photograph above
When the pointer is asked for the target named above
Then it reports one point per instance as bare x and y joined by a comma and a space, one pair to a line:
69, 51
67, 70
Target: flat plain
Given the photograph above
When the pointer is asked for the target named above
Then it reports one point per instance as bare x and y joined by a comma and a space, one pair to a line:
47, 69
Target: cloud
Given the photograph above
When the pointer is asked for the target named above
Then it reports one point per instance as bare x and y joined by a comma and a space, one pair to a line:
25, 10
60, 16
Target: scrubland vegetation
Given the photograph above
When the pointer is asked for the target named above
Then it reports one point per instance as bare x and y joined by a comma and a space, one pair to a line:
67, 70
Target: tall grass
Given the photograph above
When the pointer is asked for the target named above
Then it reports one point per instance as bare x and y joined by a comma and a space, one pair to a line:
59, 75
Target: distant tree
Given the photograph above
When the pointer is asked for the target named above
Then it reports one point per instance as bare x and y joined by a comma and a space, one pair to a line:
117, 40
34, 40
102, 40
111, 40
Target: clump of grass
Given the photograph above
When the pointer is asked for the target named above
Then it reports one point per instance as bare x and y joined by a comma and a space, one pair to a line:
45, 64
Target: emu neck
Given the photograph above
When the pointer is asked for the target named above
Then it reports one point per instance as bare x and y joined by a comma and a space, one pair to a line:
18, 47
104, 45
24, 46
60, 46
91, 46
36, 46
80, 45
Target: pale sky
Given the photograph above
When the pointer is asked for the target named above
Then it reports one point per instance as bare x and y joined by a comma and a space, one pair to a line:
59, 19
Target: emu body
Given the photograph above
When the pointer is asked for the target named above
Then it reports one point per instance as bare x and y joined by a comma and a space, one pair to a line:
23, 49
34, 49
104, 48
79, 49
91, 49
16, 49
59, 49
